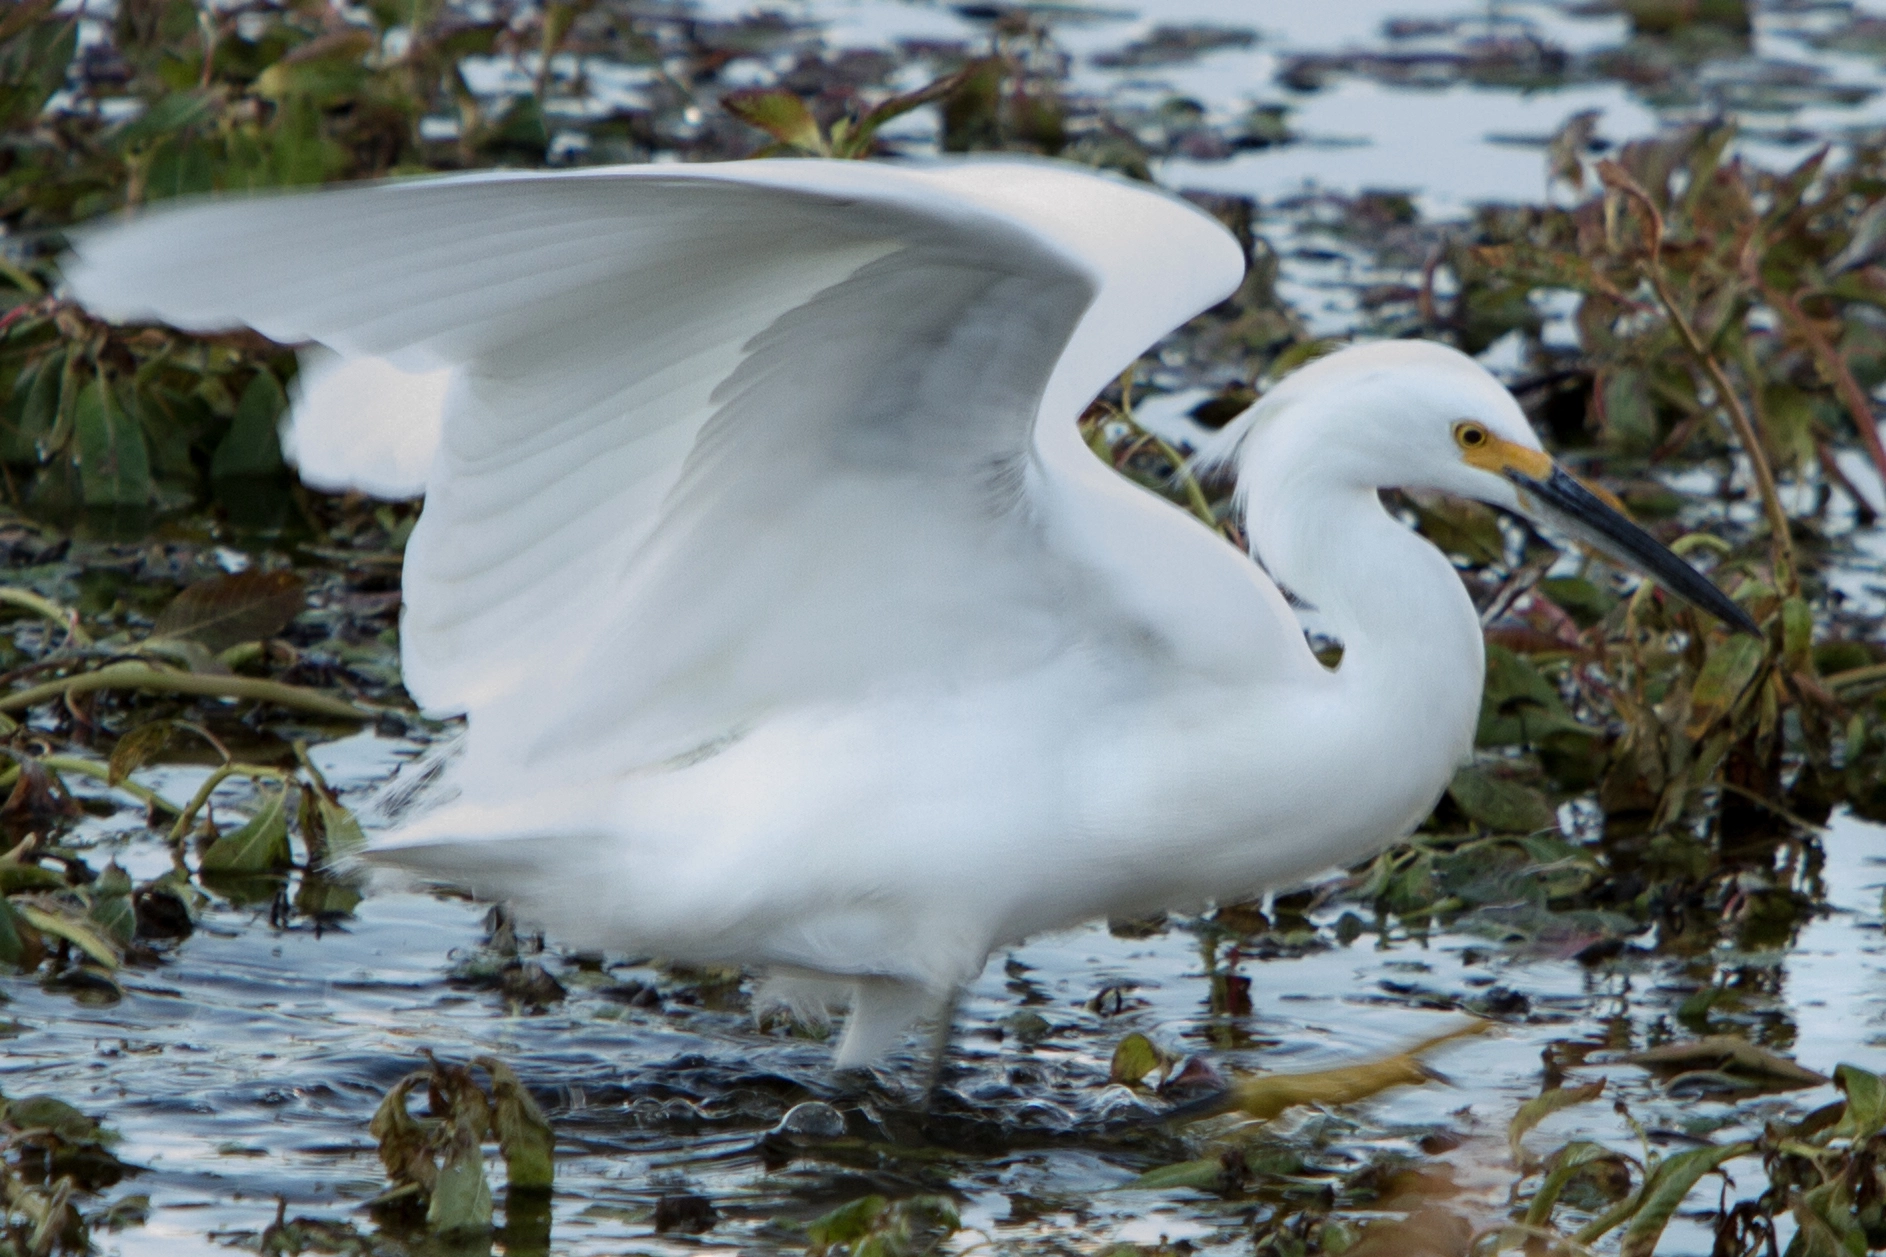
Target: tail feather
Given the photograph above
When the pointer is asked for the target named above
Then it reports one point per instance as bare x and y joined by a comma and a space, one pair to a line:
365, 424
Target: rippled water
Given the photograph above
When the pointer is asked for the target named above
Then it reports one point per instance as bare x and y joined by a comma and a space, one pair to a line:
1452, 144
245, 1067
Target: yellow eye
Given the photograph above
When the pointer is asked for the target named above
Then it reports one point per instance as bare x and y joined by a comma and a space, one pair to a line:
1470, 436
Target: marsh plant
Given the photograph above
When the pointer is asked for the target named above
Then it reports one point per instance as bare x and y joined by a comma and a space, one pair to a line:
1644, 781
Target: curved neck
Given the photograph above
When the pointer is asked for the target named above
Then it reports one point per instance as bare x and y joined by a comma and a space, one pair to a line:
1413, 654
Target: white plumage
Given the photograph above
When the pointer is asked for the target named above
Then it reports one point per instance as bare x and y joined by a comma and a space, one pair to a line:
794, 623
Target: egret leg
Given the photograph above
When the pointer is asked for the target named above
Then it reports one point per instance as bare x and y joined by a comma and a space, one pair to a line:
881, 1010
942, 1031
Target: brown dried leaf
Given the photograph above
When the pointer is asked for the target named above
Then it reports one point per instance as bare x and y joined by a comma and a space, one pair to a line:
524, 1135
405, 1143
226, 611
1266, 1096
1729, 1054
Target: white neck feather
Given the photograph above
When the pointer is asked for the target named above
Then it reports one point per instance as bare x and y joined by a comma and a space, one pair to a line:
1413, 655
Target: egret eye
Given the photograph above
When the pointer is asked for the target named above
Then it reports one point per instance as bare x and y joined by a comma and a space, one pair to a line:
1469, 436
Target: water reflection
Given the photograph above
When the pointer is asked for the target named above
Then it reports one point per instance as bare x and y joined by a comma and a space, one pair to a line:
246, 1067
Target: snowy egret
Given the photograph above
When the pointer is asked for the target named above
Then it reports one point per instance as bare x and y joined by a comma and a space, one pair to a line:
795, 625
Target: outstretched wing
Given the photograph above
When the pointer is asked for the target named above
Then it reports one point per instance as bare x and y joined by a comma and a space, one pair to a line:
719, 439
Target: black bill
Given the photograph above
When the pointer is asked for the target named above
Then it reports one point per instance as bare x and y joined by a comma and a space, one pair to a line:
1563, 502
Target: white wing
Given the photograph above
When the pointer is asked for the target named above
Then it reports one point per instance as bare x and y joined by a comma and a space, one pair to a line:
725, 439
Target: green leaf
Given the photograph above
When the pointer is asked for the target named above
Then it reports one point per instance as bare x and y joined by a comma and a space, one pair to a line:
322, 896
44, 1112
1866, 1103
15, 878
1457, 526
1827, 1226
1725, 676
60, 922
328, 69
33, 62
1730, 1054
114, 465
779, 113
12, 944
137, 748
1561, 1167
1584, 601
1133, 1059
1542, 1106
846, 1224
1204, 1174
259, 846
166, 116
23, 15
226, 611
1501, 805
111, 905
1669, 1183
330, 830
39, 409
252, 446
1788, 422
524, 1134
1630, 413
1797, 635
1519, 706
181, 166
461, 1197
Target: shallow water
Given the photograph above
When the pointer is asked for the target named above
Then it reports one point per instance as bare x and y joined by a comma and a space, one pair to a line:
245, 1068
1450, 143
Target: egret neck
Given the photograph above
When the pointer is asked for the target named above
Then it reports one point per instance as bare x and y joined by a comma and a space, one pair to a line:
1413, 656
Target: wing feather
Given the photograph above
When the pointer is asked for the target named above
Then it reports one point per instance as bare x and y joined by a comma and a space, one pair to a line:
724, 440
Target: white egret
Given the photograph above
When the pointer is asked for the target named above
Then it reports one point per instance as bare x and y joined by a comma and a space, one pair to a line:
795, 625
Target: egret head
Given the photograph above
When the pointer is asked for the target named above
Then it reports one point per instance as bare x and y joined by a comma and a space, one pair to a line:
1418, 415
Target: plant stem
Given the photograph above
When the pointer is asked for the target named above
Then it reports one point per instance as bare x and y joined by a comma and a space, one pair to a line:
1615, 178
64, 617
1783, 542
1835, 369
141, 676
1182, 468
188, 813
99, 772
1855, 676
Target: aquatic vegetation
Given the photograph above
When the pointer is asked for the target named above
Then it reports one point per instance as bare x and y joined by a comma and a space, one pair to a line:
80, 925
50, 1156
1701, 335
436, 1163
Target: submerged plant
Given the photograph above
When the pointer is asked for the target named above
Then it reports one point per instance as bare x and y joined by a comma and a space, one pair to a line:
436, 1162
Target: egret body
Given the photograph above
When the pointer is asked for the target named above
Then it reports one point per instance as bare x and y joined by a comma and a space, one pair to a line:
794, 624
